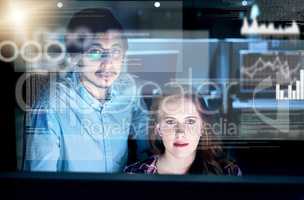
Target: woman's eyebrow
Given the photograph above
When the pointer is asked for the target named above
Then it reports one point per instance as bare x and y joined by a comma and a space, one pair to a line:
191, 117
168, 117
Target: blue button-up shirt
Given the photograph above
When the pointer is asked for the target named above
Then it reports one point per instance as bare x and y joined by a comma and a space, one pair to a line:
70, 130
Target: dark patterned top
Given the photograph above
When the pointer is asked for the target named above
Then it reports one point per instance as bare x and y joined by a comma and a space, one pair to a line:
148, 166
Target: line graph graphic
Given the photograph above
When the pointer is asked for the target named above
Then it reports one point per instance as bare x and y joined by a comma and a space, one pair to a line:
275, 65
281, 67
262, 29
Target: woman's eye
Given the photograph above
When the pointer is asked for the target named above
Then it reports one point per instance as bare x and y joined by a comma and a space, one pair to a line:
170, 121
190, 121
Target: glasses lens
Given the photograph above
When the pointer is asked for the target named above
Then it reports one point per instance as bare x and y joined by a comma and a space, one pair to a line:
116, 53
98, 54
94, 54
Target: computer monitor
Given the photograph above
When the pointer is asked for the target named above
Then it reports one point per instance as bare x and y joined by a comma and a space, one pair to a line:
153, 68
262, 70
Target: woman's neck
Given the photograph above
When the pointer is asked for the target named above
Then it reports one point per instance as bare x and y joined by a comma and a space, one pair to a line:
169, 164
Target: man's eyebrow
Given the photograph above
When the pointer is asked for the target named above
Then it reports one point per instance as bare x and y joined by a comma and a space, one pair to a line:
96, 45
117, 45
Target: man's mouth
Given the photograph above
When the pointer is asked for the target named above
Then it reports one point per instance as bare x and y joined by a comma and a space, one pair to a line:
104, 74
180, 144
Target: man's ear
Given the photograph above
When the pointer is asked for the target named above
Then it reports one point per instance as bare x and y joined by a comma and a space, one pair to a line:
124, 63
73, 61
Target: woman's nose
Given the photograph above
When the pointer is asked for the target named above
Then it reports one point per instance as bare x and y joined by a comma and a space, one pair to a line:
180, 129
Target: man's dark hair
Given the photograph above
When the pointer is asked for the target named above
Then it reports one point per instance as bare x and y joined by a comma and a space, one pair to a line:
94, 21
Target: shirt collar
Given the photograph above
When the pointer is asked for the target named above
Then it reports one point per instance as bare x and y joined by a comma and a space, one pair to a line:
123, 82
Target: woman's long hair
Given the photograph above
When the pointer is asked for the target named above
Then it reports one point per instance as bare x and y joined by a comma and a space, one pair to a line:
209, 157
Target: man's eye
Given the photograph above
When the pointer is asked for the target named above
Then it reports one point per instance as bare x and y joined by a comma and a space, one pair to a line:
190, 121
94, 51
116, 53
94, 54
170, 122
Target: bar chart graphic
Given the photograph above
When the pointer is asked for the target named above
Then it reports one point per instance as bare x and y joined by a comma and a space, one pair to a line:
290, 93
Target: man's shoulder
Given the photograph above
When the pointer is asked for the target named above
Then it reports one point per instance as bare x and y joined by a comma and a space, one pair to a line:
127, 81
57, 92
127, 87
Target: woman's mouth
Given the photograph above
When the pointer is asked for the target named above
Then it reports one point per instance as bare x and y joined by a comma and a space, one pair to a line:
180, 144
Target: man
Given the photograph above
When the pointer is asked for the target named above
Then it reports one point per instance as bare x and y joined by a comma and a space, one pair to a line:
85, 123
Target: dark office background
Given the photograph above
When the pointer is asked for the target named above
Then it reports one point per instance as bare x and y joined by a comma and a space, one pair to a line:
222, 20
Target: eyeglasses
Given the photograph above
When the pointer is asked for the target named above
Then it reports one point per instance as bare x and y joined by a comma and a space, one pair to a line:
97, 54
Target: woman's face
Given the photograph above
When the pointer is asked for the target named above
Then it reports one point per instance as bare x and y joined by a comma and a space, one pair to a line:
179, 126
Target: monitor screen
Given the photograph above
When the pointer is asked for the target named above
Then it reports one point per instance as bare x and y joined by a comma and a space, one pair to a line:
266, 69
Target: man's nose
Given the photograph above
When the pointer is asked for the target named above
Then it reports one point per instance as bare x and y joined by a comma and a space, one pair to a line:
106, 60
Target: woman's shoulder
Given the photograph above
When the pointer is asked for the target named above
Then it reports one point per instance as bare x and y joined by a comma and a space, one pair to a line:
147, 166
231, 168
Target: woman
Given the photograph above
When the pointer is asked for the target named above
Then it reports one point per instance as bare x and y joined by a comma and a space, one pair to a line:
180, 142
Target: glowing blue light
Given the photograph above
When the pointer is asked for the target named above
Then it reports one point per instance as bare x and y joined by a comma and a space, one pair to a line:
255, 11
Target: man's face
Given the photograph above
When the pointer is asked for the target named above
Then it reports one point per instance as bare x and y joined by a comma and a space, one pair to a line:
102, 61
